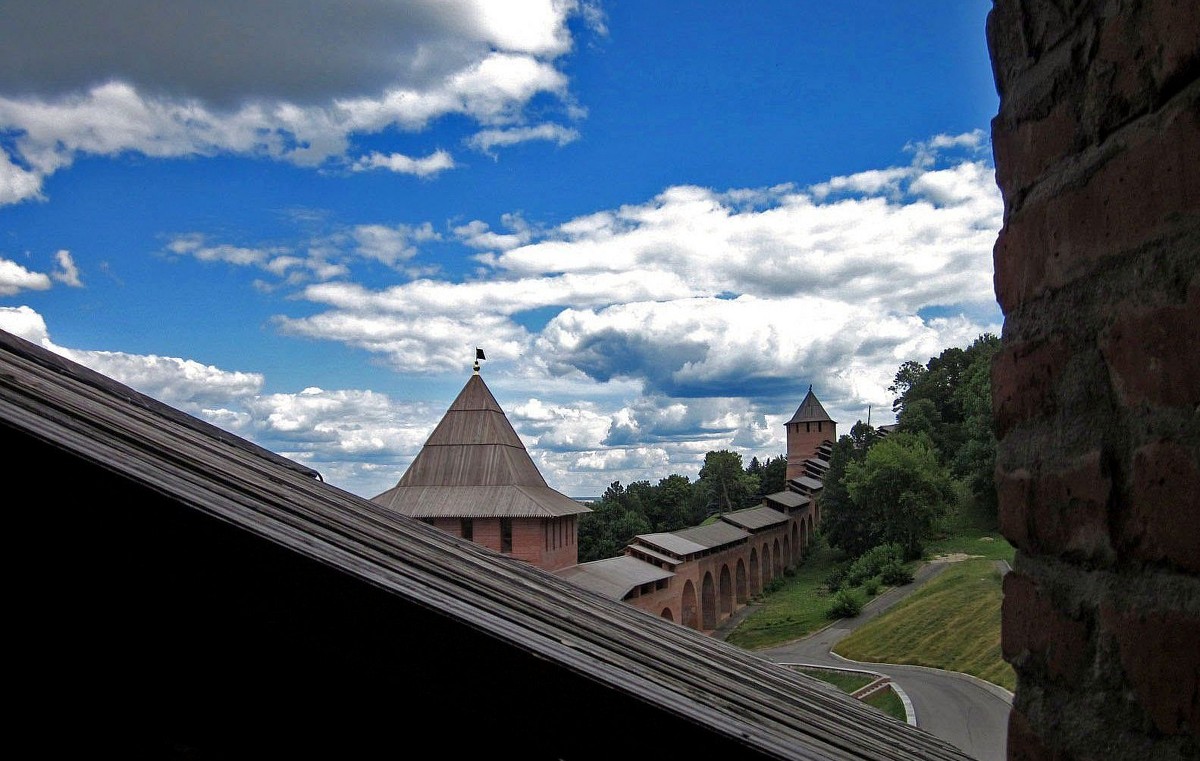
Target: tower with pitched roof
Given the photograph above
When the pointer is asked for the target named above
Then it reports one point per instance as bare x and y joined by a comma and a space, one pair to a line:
474, 478
808, 429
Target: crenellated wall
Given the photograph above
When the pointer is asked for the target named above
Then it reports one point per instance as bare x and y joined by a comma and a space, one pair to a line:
1096, 392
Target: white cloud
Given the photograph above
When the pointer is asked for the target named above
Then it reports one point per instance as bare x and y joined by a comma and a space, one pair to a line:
24, 322
14, 278
926, 152
477, 234
390, 244
194, 245
353, 437
67, 273
433, 164
488, 139
17, 184
105, 85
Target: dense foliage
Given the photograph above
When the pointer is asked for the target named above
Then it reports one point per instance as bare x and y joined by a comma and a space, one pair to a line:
900, 488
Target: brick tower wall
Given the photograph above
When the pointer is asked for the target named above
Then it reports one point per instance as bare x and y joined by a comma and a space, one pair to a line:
803, 440
1097, 386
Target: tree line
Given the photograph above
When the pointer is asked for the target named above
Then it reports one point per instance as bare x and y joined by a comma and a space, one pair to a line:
676, 502
902, 488
893, 489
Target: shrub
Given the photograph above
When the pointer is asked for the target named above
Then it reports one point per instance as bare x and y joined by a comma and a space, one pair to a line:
894, 574
846, 604
872, 562
871, 586
835, 578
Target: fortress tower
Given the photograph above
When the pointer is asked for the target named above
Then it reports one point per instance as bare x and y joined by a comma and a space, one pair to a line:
806, 431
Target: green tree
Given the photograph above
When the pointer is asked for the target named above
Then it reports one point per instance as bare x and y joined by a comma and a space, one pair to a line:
975, 460
901, 489
679, 503
725, 484
843, 522
774, 475
612, 524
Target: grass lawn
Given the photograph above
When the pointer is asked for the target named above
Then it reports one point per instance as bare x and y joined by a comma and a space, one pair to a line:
848, 681
888, 702
952, 623
796, 610
986, 544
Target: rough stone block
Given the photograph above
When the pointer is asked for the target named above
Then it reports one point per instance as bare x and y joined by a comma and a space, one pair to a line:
1024, 378
1160, 655
1133, 197
1153, 354
1164, 516
1033, 628
1059, 512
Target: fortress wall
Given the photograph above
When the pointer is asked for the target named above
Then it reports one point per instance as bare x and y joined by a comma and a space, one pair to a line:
1096, 392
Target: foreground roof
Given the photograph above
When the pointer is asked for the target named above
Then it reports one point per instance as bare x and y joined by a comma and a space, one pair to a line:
474, 466
292, 554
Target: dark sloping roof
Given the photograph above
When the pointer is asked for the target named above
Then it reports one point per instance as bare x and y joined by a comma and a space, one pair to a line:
754, 518
696, 539
806, 484
810, 410
788, 498
613, 577
398, 574
474, 466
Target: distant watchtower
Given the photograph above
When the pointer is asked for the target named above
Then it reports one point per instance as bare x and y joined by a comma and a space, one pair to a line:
806, 431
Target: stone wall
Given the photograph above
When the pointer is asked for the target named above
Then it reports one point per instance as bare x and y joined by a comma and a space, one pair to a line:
1096, 392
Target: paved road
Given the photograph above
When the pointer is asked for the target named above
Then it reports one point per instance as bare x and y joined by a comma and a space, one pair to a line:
967, 712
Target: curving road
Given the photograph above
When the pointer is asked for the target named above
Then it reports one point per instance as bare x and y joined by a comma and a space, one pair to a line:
969, 713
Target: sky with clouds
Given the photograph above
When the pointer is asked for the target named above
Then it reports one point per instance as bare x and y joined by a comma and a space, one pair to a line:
661, 221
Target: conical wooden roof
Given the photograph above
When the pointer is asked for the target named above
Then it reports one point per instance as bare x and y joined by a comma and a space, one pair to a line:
475, 466
811, 411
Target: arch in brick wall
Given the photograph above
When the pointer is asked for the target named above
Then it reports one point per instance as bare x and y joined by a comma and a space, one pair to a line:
725, 592
741, 590
688, 612
755, 573
708, 602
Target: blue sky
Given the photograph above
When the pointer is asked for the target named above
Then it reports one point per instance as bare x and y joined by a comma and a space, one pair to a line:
661, 221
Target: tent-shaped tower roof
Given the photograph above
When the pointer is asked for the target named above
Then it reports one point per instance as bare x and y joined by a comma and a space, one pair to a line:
475, 466
811, 411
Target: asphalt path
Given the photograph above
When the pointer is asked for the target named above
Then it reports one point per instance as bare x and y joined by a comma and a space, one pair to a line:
969, 713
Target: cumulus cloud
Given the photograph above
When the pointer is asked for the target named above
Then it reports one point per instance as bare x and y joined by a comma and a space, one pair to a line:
631, 340
359, 437
14, 278
26, 323
390, 244
703, 293
478, 234
16, 183
168, 79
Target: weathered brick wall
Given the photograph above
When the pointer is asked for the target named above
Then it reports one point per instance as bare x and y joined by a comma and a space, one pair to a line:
1096, 392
